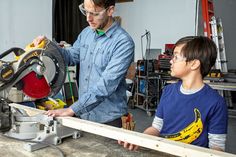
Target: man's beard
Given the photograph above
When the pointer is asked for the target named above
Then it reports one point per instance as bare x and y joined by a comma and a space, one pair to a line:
104, 23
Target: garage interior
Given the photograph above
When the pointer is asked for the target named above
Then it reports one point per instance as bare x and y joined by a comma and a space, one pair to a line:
155, 26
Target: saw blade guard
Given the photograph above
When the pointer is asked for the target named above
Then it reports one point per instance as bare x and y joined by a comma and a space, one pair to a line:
55, 72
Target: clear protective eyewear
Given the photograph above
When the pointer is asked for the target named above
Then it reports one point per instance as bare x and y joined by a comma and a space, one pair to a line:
177, 58
92, 13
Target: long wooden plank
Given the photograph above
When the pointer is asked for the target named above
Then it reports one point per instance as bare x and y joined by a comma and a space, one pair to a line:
147, 141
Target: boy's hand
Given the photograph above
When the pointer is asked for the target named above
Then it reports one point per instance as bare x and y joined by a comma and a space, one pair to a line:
150, 131
128, 146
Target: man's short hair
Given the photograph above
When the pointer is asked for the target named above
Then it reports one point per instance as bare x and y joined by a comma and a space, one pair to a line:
104, 3
200, 48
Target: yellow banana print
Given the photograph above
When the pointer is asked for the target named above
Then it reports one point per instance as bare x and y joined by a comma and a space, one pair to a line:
191, 132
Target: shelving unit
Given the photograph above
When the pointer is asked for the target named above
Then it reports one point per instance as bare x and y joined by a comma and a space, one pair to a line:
146, 94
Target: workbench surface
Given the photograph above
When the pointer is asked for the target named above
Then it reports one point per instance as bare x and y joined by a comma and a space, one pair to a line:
87, 145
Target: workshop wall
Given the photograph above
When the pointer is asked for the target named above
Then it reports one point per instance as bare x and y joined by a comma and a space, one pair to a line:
167, 21
22, 21
170, 20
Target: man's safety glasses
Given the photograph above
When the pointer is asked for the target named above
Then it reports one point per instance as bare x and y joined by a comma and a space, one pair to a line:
92, 13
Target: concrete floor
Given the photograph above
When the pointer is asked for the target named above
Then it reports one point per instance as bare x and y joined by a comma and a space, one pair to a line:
143, 121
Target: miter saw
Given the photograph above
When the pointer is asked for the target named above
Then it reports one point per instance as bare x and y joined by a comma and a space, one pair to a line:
38, 72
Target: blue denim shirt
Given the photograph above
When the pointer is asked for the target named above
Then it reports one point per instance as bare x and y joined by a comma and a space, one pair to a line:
104, 61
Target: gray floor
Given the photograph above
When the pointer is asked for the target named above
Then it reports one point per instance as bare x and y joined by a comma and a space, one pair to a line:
143, 121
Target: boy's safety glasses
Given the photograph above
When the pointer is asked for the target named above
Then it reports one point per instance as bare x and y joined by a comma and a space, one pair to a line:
177, 58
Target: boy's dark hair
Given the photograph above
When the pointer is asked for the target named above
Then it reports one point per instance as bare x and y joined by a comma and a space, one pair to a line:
104, 3
200, 48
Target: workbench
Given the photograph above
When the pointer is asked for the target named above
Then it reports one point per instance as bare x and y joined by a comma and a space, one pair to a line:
87, 145
228, 86
101, 140
224, 89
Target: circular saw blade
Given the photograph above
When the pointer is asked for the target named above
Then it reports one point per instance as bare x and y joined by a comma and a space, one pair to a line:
32, 84
35, 86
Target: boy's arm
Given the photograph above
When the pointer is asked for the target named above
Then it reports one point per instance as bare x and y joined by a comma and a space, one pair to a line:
217, 125
217, 148
217, 141
152, 131
155, 128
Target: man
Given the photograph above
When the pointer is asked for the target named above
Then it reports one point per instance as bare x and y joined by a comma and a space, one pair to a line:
104, 52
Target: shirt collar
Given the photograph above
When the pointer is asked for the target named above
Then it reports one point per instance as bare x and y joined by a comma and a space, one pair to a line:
111, 29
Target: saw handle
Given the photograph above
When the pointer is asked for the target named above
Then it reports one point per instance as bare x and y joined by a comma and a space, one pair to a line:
41, 44
16, 50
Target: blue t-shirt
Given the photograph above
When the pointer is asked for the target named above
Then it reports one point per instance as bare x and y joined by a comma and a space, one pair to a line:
189, 118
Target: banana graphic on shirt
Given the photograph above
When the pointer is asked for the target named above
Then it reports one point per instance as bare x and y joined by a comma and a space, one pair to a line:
191, 132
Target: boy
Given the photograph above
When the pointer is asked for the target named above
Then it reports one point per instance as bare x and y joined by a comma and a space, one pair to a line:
189, 110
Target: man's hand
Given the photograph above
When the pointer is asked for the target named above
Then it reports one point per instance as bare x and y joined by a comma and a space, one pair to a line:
60, 112
128, 146
38, 40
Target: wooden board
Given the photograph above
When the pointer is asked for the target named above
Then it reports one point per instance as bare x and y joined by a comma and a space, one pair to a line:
147, 141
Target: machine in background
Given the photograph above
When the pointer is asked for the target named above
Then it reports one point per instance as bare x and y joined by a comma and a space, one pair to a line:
146, 86
150, 77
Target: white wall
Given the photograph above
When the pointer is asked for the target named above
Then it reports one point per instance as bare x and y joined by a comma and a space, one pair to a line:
225, 9
167, 20
23, 20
